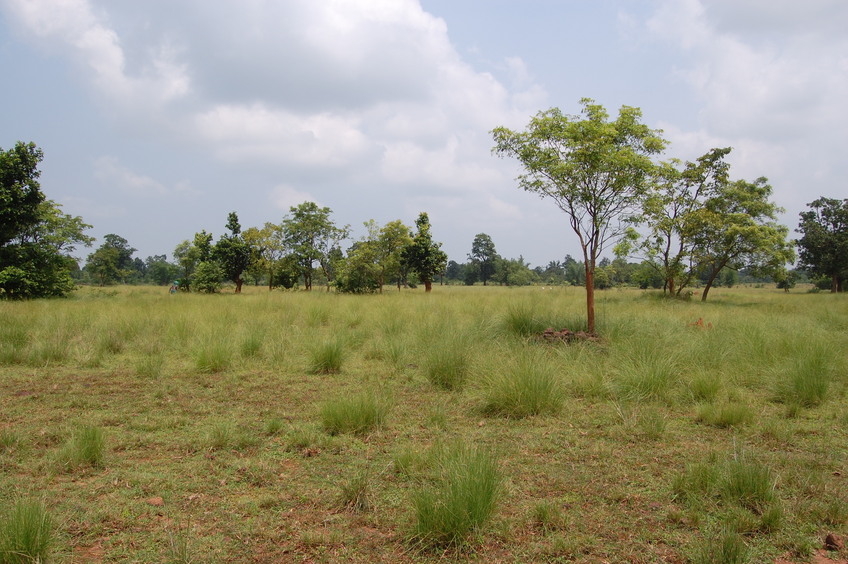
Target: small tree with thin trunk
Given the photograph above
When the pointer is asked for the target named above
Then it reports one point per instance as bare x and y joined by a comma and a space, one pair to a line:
594, 169
424, 256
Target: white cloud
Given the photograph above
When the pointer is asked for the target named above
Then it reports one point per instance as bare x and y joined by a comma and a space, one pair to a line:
285, 197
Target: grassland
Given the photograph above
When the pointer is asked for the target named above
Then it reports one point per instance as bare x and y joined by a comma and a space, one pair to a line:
313, 427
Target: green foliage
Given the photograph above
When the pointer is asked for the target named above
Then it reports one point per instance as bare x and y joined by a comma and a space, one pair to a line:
207, 277
594, 169
424, 256
483, 257
460, 500
36, 238
232, 253
823, 246
112, 262
357, 414
311, 236
26, 533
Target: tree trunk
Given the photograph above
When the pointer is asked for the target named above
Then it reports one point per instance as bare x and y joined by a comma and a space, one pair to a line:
239, 282
428, 285
709, 285
834, 283
590, 299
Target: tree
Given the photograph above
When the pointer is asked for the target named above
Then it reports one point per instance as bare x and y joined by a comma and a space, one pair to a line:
823, 246
393, 238
483, 256
671, 211
736, 228
594, 169
20, 191
160, 271
310, 235
36, 238
424, 256
233, 253
112, 262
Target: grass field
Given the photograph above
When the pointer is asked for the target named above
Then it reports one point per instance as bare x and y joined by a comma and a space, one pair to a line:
314, 427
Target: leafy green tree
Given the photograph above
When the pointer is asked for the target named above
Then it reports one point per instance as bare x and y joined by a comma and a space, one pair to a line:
208, 276
36, 238
513, 272
359, 273
671, 211
737, 229
187, 256
484, 256
823, 246
20, 191
424, 256
233, 253
310, 235
111, 262
392, 239
595, 170
160, 271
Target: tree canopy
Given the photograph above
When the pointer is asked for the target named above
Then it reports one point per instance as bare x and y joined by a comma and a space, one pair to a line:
36, 238
594, 169
823, 246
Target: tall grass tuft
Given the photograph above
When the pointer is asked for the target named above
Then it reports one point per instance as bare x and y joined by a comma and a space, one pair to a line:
807, 383
358, 414
724, 415
529, 387
749, 484
213, 356
326, 357
646, 374
461, 500
86, 447
354, 493
446, 364
26, 533
727, 547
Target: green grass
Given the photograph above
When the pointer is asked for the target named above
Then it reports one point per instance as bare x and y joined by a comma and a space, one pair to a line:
326, 357
529, 386
460, 500
662, 441
357, 414
26, 532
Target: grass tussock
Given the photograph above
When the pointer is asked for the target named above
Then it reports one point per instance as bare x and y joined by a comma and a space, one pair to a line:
358, 414
529, 386
85, 448
460, 500
27, 533
326, 357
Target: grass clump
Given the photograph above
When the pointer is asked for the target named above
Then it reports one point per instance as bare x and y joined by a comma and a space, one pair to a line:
725, 416
358, 414
529, 387
354, 493
462, 498
326, 357
547, 517
807, 383
26, 533
446, 364
213, 356
86, 447
726, 547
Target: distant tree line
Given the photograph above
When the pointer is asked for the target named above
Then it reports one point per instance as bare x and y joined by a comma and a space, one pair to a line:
687, 225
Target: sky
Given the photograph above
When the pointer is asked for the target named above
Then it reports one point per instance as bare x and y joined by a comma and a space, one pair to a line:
158, 118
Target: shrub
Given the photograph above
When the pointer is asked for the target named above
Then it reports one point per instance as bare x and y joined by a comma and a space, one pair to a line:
26, 533
358, 414
462, 499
